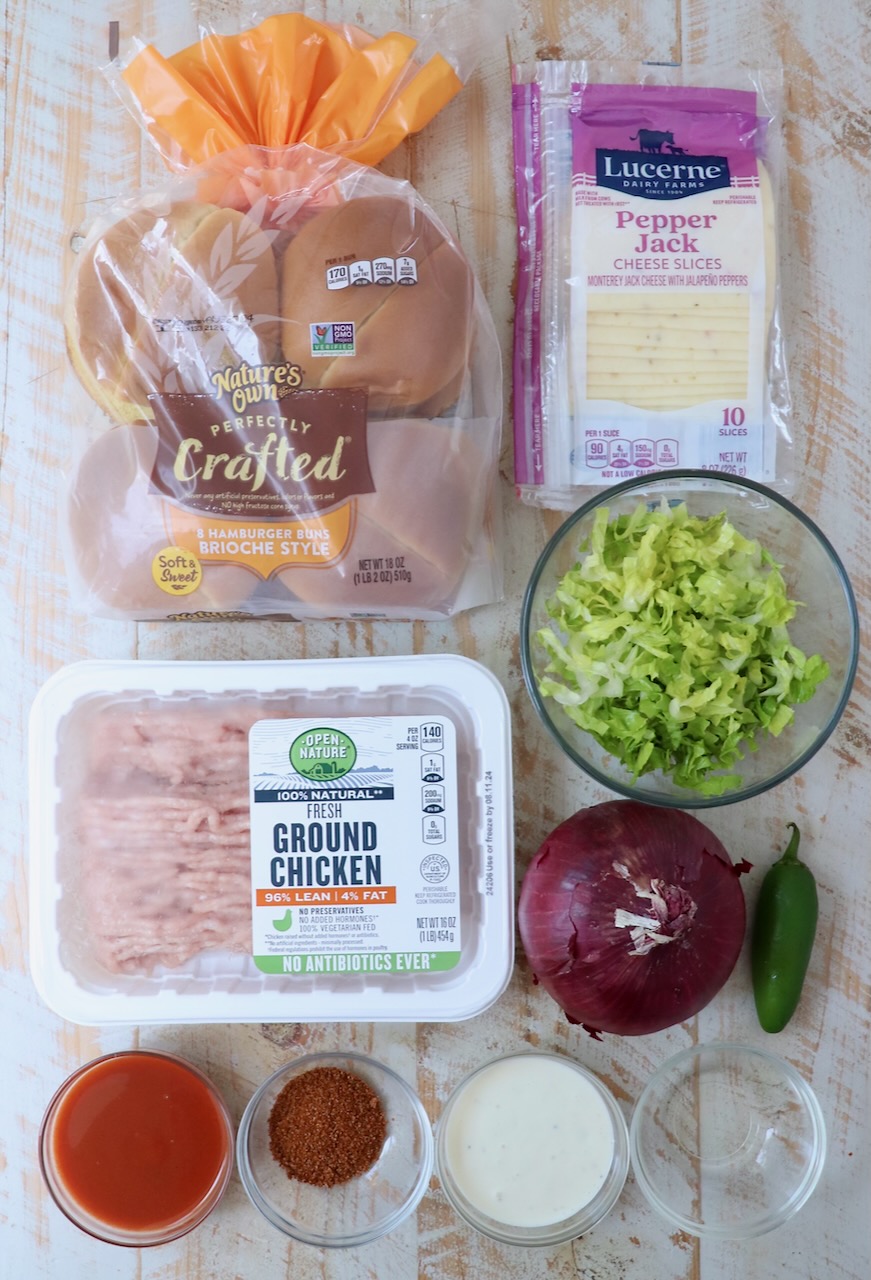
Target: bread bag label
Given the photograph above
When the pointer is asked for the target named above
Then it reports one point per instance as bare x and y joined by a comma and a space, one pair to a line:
355, 846
264, 547
670, 258
295, 456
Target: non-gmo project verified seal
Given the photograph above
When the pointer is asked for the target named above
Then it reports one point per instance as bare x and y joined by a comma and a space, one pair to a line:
333, 339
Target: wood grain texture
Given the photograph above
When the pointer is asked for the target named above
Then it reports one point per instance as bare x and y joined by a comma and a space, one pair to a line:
70, 150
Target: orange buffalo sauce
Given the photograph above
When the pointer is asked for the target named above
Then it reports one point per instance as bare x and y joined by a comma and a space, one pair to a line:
138, 1142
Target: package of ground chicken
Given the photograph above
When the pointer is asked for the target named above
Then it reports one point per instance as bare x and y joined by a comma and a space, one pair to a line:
293, 377
648, 332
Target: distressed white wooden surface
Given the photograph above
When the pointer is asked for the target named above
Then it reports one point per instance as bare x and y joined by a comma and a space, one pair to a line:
68, 150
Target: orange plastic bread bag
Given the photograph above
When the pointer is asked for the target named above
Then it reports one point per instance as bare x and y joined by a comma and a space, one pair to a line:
297, 376
290, 79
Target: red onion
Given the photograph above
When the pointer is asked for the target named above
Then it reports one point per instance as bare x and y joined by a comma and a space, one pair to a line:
632, 917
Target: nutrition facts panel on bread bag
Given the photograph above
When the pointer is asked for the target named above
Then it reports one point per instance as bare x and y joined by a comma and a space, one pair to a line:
355, 845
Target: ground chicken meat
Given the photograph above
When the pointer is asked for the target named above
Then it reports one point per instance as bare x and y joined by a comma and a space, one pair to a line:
162, 832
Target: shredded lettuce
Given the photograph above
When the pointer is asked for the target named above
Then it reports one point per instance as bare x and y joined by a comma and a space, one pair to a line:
670, 645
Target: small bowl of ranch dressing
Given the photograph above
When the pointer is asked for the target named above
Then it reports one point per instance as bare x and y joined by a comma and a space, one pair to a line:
532, 1149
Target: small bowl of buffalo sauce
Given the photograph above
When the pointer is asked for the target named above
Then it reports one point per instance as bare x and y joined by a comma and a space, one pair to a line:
136, 1147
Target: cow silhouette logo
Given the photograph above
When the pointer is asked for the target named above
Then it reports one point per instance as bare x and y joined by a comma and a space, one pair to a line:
651, 140
323, 754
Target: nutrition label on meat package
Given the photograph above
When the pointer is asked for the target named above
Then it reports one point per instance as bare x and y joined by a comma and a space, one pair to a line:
355, 845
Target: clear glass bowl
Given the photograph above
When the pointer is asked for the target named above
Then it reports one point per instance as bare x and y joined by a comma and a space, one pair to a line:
107, 1097
827, 624
550, 1148
349, 1213
727, 1141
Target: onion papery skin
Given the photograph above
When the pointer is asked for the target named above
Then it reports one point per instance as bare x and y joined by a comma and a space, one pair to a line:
604, 861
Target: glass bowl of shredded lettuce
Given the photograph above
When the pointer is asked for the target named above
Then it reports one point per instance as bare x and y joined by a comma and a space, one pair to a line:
689, 639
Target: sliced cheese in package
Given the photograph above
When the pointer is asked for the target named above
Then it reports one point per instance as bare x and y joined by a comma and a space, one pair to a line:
647, 332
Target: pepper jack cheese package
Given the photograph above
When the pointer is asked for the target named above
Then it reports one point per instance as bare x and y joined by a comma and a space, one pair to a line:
647, 331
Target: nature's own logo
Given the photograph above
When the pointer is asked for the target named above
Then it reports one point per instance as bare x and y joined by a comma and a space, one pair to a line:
248, 384
660, 169
323, 754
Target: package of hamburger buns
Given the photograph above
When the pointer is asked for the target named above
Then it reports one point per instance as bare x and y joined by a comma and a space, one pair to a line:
293, 383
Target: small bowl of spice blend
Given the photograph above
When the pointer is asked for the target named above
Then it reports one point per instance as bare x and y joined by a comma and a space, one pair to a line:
335, 1149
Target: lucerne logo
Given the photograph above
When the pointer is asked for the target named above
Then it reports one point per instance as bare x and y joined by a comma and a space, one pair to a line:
660, 169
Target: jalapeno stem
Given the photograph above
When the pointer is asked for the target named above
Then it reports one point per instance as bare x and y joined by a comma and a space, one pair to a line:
790, 853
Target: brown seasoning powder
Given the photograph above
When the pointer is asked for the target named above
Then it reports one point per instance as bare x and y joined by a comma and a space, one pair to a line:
326, 1126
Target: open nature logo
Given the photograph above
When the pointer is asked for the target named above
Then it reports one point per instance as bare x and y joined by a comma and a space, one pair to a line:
323, 754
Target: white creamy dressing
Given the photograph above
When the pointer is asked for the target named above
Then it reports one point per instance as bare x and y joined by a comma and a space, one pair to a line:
529, 1141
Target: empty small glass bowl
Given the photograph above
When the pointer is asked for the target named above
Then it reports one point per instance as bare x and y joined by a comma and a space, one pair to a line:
826, 623
349, 1213
727, 1141
532, 1149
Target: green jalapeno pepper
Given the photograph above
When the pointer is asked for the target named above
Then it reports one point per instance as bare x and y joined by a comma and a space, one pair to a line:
784, 927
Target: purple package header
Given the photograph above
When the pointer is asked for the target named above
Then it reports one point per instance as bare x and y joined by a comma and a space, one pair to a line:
674, 120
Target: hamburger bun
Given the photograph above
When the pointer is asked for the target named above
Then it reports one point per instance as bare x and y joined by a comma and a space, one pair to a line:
424, 518
411, 340
117, 528
162, 299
